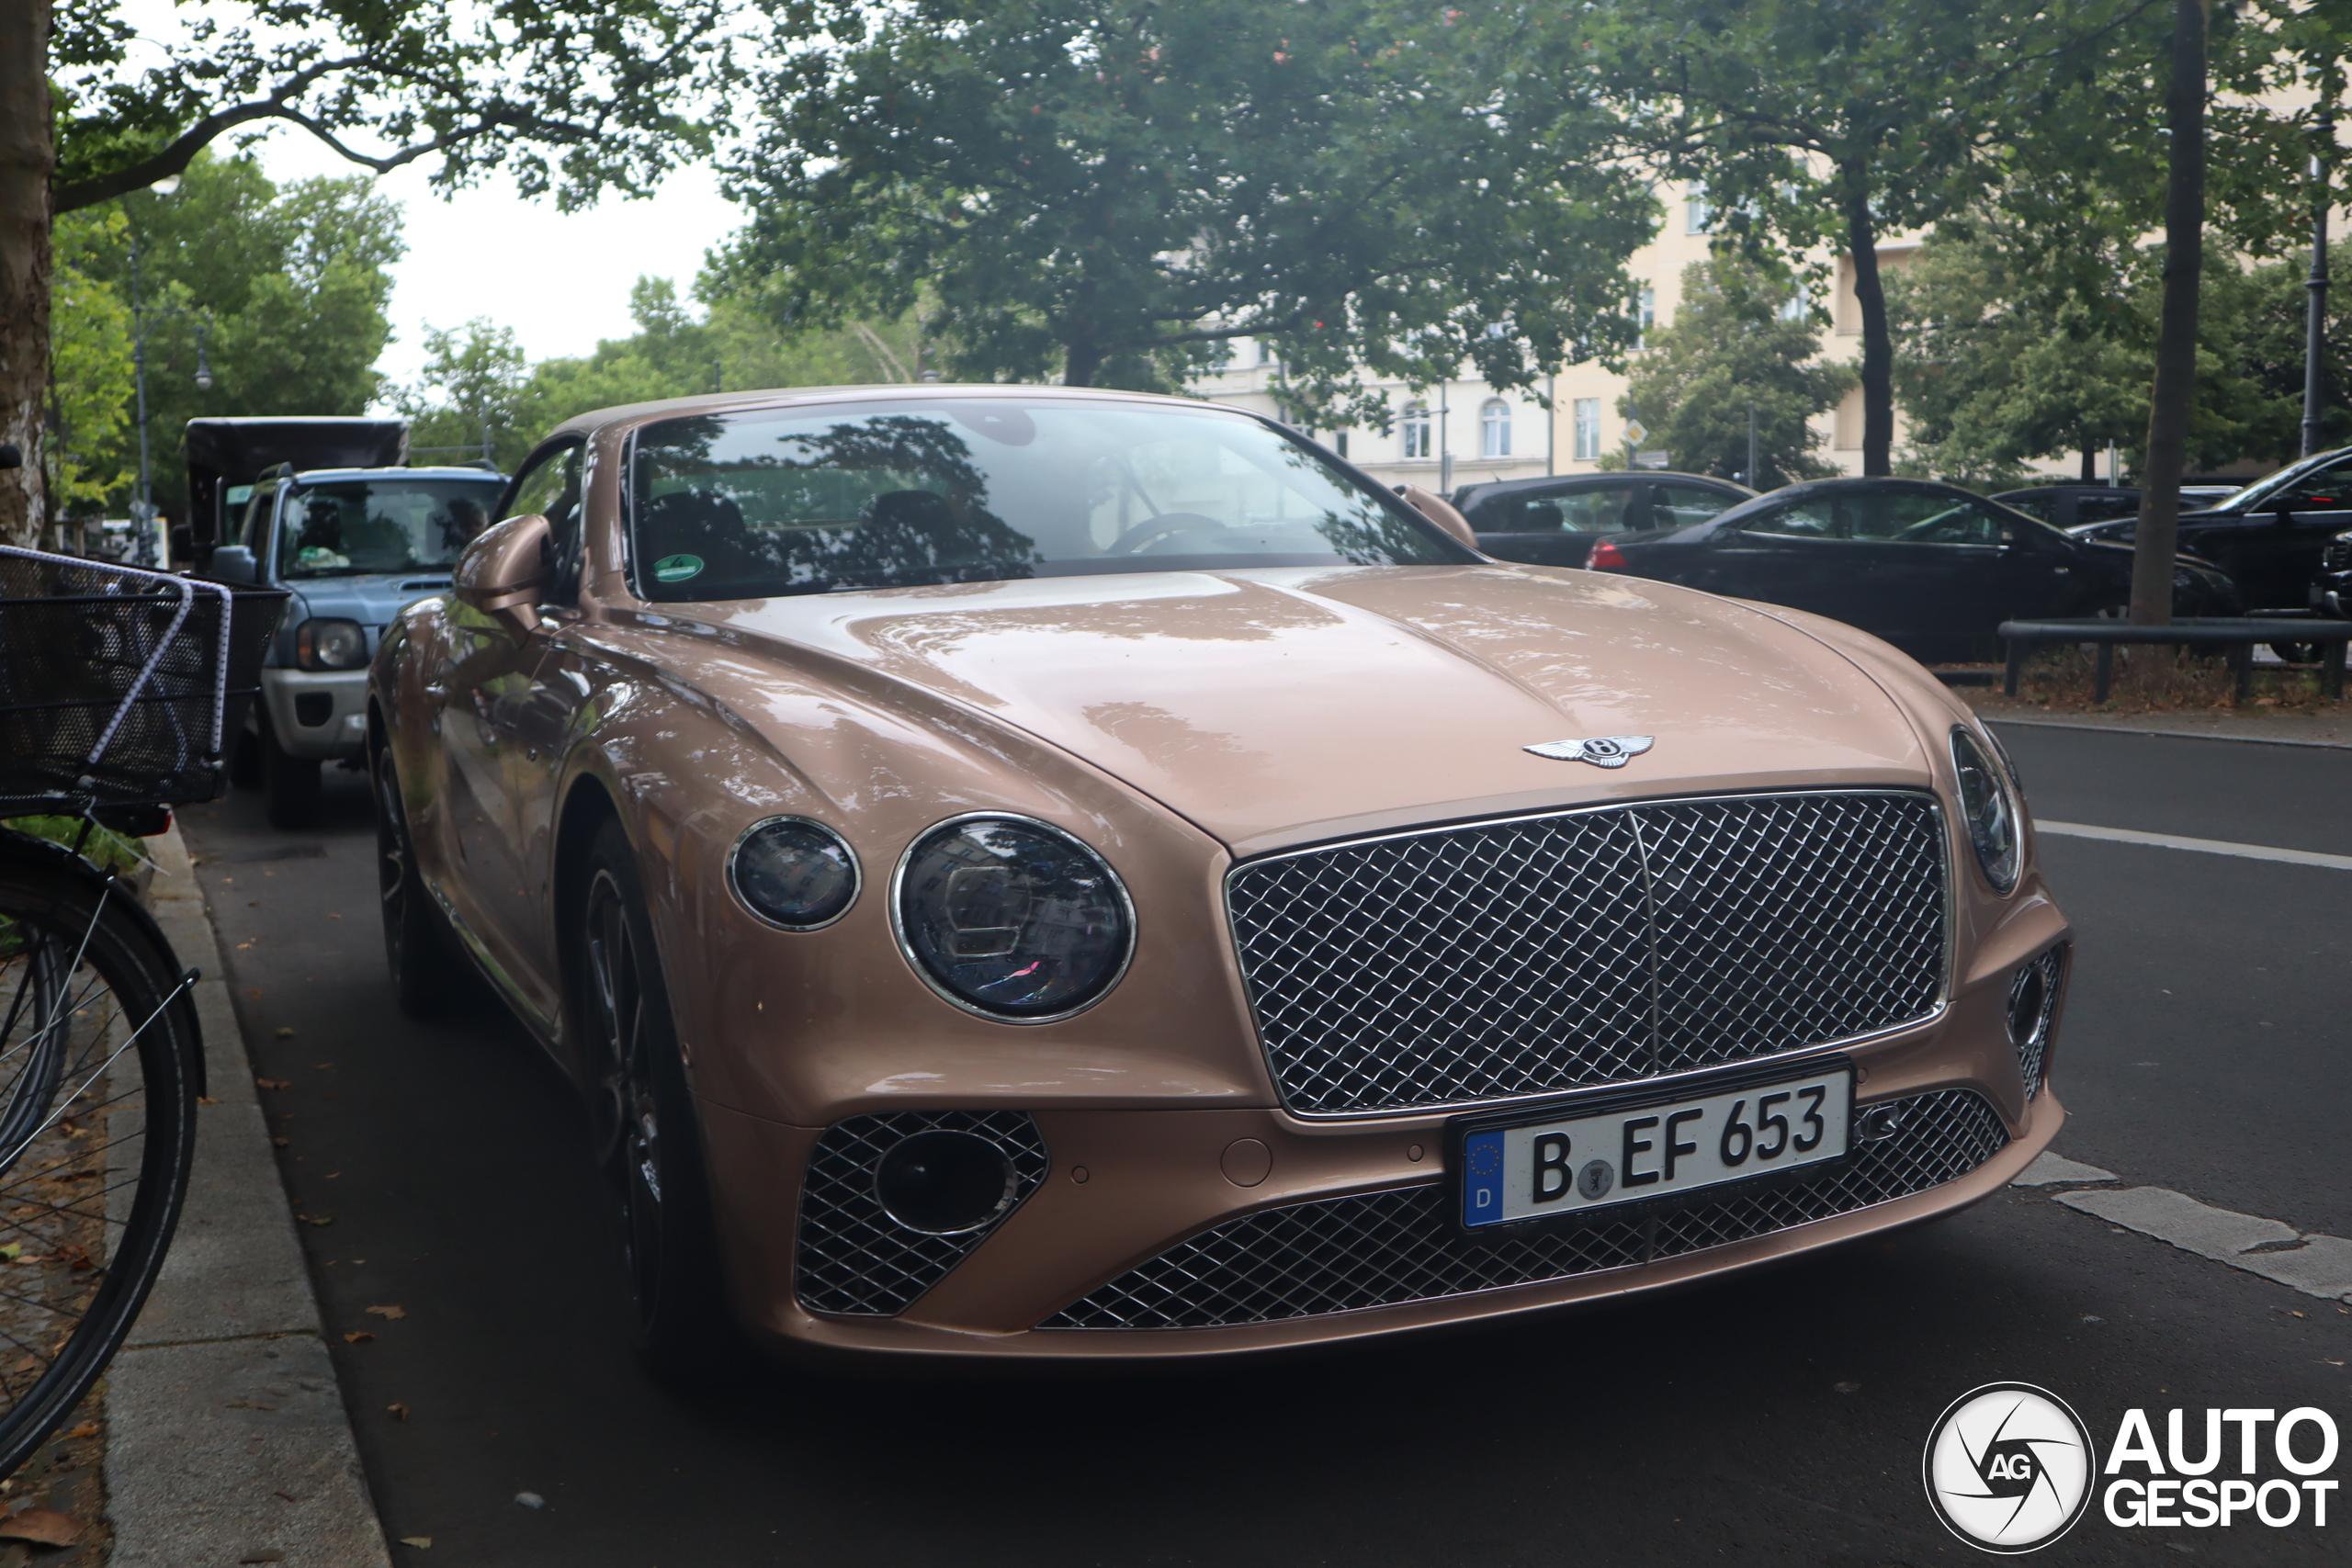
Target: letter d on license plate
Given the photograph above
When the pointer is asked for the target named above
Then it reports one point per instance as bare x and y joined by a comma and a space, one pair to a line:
1629, 1146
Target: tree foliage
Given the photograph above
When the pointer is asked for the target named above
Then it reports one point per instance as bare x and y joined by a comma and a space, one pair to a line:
478, 381
2012, 352
90, 391
1741, 339
286, 284
1108, 191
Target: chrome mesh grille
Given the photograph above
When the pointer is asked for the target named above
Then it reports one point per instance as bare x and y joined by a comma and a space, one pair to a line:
855, 1260
1507, 959
2033, 1053
1387, 1249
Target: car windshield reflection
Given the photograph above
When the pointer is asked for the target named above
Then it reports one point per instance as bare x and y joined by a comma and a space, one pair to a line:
769, 502
362, 527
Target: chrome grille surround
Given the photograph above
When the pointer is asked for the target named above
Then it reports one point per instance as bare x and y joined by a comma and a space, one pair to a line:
1379, 1250
1504, 960
854, 1259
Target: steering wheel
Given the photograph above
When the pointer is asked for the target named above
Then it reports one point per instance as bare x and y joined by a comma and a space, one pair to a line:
1151, 530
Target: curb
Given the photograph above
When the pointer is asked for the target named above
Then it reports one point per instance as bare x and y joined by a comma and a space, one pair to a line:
2165, 734
227, 1440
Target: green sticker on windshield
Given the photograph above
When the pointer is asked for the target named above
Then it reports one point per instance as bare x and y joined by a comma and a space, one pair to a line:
677, 569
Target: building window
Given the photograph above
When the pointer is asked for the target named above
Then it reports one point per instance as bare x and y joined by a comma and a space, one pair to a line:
1696, 214
1588, 428
1797, 306
1415, 425
1647, 313
1343, 443
1494, 429
1265, 351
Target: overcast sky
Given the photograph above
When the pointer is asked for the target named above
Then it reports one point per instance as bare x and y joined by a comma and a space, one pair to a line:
560, 281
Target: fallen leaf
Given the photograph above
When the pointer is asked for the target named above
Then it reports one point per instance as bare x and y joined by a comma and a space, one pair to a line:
357, 1335
2293, 1312
274, 1083
400, 1412
390, 1311
74, 1257
206, 1100
44, 1527
13, 1251
331, 916
243, 945
316, 1218
284, 1032
421, 1543
281, 1143
86, 1430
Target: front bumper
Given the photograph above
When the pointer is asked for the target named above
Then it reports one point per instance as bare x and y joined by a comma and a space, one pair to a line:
1137, 1220
320, 715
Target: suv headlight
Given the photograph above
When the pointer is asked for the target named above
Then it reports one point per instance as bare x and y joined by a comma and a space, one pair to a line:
793, 873
326, 643
1989, 809
1012, 919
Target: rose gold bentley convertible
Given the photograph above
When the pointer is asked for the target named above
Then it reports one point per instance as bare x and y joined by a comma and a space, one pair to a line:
1027, 872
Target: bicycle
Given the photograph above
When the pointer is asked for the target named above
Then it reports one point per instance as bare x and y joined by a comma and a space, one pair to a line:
114, 690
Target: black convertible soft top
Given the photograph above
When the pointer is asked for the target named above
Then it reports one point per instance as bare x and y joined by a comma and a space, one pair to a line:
224, 452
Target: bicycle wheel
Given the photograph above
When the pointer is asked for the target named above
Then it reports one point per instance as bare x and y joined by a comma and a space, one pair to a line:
99, 1057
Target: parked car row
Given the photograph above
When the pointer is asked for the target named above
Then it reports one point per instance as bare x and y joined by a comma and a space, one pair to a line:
1932, 568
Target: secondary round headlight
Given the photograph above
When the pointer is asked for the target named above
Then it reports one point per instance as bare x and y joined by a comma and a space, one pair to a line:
794, 872
1011, 917
324, 642
1991, 815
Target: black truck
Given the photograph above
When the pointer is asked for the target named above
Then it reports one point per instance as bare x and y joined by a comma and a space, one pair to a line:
226, 455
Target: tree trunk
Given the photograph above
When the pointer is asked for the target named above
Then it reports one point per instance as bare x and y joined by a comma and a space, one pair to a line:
1878, 340
1082, 361
26, 157
2174, 397
2090, 465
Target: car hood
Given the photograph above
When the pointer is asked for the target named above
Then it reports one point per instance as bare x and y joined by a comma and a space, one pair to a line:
1280, 705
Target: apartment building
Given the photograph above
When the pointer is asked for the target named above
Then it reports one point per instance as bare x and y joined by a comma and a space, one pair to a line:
1465, 432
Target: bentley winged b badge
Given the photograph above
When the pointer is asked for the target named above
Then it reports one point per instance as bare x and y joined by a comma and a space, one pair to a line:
1601, 751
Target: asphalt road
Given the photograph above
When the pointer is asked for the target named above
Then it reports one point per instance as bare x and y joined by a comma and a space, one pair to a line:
1774, 1418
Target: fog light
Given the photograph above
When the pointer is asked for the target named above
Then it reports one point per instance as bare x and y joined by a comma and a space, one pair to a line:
943, 1183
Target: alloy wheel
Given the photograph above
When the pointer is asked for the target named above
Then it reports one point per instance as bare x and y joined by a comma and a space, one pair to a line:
626, 1114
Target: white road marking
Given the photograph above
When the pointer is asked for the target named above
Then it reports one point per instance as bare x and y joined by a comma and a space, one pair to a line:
2316, 1265
2047, 1167
2201, 846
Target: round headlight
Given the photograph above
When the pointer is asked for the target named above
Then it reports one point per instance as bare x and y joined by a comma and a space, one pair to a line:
794, 872
325, 642
1991, 814
1011, 917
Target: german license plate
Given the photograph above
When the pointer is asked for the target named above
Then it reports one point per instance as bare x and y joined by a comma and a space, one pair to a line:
1627, 1148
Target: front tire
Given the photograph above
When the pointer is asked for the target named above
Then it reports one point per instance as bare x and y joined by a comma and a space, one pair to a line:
646, 1143
430, 977
289, 784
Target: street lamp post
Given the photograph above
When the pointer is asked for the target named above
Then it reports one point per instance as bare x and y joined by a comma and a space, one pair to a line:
2315, 325
145, 549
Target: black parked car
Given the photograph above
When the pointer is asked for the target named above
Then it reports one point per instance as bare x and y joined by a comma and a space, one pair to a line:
1930, 568
2269, 536
2069, 506
1552, 521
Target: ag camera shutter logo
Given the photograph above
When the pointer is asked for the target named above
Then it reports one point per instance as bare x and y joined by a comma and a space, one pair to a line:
2008, 1468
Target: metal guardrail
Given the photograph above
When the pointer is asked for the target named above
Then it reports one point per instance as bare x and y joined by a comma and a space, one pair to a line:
2239, 634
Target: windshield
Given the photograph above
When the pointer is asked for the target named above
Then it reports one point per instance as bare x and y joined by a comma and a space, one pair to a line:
351, 527
893, 494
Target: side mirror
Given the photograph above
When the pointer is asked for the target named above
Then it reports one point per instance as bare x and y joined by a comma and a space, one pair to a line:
234, 563
1440, 510
501, 574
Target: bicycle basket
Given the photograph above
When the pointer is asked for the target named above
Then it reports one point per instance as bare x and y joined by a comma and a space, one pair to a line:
115, 682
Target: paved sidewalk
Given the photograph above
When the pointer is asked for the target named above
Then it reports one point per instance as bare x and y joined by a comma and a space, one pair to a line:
2325, 727
227, 1439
